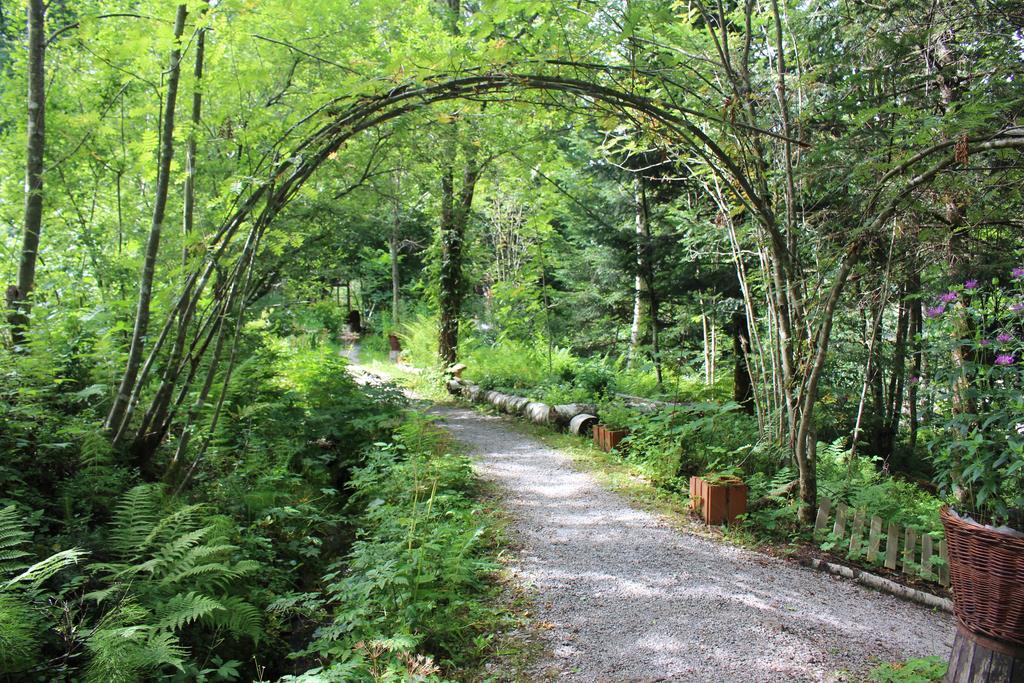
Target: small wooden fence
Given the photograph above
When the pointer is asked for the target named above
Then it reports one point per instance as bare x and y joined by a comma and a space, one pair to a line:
916, 557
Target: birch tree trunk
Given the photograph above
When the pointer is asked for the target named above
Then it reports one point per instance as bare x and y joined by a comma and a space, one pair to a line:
396, 226
19, 297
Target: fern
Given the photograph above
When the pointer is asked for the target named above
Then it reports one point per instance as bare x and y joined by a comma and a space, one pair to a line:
35, 575
18, 634
123, 649
239, 617
12, 540
13, 537
135, 516
185, 608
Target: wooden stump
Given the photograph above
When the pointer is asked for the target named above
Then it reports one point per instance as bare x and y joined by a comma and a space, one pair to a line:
976, 659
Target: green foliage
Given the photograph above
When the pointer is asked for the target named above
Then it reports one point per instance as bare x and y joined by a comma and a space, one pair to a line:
978, 445
860, 483
670, 446
416, 578
925, 670
19, 633
186, 590
615, 415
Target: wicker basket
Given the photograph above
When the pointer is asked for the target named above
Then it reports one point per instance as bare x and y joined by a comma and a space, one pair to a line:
986, 568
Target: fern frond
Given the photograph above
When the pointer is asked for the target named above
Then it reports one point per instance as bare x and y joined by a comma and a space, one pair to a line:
240, 617
127, 654
205, 574
35, 575
126, 647
185, 608
135, 516
174, 552
178, 522
165, 649
12, 537
19, 633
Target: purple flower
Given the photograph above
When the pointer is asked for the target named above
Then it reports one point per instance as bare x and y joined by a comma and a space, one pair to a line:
934, 311
948, 297
971, 284
1016, 308
914, 379
1004, 359
986, 342
1017, 273
1004, 338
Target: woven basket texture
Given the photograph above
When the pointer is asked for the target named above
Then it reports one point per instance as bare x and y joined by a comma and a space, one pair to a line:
986, 568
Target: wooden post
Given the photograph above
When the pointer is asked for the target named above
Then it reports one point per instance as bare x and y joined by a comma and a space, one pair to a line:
909, 551
874, 538
839, 528
944, 569
892, 545
926, 556
821, 521
856, 533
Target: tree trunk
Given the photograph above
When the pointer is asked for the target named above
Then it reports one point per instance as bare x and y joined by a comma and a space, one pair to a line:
395, 277
19, 298
119, 409
645, 270
634, 328
743, 385
897, 381
147, 440
916, 324
454, 217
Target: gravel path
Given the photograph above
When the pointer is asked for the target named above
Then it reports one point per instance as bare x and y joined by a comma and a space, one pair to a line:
628, 598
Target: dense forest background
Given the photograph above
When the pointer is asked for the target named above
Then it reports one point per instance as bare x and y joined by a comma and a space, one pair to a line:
803, 222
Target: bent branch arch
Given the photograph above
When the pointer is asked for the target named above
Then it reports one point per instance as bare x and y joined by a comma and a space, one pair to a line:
340, 119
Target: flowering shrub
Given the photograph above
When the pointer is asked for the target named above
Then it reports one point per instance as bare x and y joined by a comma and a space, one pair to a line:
976, 352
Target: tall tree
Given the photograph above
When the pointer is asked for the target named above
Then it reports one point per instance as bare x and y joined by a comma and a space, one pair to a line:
455, 208
19, 296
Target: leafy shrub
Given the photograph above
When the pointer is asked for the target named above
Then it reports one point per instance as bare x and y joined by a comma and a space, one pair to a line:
978, 448
410, 591
860, 484
671, 446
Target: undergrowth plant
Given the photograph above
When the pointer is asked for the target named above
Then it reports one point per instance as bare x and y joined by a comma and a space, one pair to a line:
410, 600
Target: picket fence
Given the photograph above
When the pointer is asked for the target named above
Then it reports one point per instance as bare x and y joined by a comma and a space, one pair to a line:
906, 549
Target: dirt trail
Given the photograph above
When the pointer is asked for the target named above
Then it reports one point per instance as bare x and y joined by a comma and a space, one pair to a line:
628, 598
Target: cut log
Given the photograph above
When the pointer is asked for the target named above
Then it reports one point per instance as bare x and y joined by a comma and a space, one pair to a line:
517, 405
582, 423
648, 405
538, 413
564, 413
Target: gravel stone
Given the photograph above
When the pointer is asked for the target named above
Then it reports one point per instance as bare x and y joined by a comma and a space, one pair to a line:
628, 598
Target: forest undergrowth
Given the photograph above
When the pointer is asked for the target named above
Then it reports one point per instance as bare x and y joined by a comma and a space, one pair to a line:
329, 533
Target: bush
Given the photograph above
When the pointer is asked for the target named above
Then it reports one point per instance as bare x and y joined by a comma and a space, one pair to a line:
410, 596
671, 446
